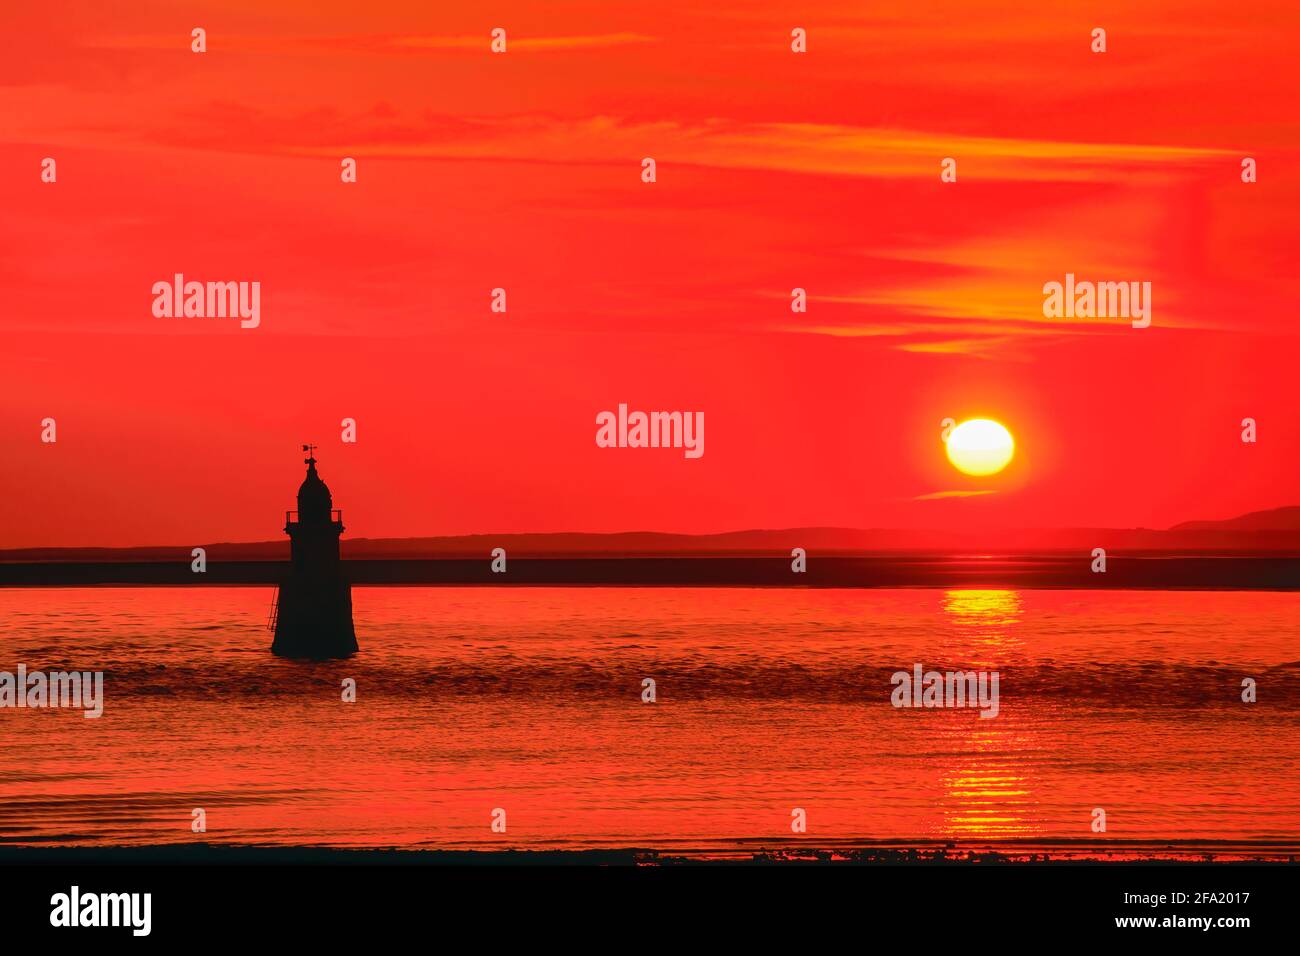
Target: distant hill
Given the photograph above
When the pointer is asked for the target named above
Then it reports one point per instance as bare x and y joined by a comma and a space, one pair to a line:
1274, 531
1275, 519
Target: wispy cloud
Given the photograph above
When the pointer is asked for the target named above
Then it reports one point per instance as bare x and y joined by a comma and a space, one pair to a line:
363, 43
796, 148
801, 148
522, 42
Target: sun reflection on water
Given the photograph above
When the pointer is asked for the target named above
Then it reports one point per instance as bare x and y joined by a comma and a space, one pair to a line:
987, 793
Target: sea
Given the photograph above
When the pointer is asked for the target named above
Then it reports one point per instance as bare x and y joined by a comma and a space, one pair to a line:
724, 722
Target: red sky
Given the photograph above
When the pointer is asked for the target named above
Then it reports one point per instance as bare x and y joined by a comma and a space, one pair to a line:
522, 170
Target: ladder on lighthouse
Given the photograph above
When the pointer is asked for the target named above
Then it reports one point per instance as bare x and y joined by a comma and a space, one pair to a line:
274, 614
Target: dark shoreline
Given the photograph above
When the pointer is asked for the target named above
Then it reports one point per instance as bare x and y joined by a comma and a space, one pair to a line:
1054, 570
1100, 852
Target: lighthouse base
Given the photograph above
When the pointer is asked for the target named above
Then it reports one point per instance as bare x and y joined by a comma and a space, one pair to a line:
314, 619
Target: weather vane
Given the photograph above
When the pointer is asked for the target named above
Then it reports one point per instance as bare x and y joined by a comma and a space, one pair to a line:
311, 454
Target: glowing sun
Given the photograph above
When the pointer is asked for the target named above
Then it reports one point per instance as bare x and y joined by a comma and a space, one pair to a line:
980, 446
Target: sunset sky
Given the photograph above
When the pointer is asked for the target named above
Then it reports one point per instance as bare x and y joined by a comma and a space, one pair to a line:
522, 170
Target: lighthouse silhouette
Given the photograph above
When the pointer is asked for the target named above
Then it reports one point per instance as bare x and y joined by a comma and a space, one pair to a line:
313, 616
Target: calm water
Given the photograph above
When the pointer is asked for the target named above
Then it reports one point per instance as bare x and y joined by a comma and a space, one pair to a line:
530, 700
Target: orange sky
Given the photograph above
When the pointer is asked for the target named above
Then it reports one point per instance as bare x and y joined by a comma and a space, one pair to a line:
522, 171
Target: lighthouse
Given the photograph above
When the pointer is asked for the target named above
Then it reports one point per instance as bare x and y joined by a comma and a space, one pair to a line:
313, 616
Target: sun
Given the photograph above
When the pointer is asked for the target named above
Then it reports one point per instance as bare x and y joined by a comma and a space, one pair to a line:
980, 446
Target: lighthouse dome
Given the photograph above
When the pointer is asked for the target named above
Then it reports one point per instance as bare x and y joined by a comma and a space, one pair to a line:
314, 500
